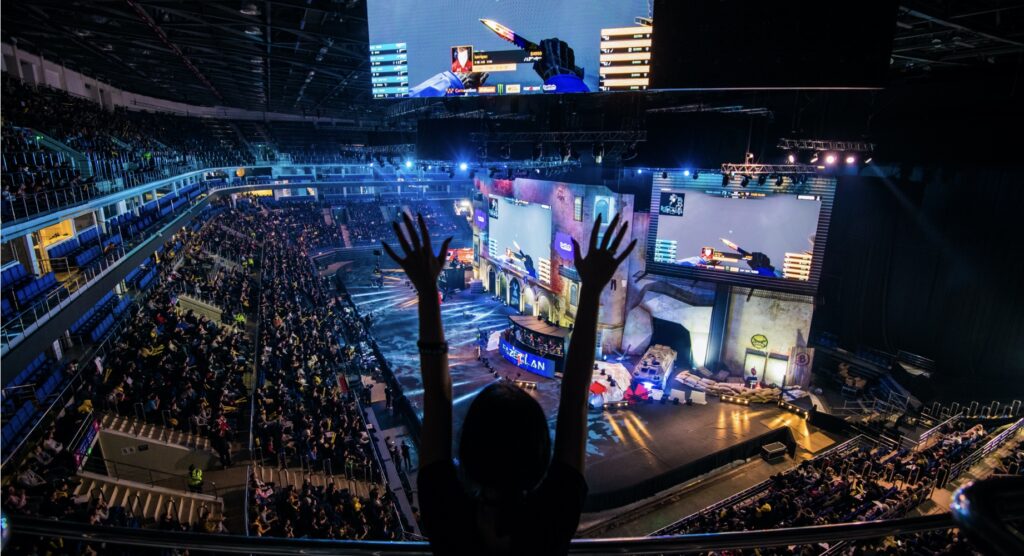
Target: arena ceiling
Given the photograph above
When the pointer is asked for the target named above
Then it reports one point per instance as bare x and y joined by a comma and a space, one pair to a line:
310, 56
279, 55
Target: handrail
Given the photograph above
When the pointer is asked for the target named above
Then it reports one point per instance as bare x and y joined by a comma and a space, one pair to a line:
990, 446
983, 507
245, 509
228, 544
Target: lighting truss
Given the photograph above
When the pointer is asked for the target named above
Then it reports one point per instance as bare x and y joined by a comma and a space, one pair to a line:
701, 107
547, 163
768, 169
399, 149
825, 145
561, 137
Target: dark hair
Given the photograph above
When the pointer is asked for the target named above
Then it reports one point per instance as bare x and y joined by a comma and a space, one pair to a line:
505, 442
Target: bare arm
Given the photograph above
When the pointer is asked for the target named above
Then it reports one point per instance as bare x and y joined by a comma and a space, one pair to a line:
595, 270
422, 267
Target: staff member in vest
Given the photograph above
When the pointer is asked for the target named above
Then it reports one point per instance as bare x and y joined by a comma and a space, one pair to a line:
195, 479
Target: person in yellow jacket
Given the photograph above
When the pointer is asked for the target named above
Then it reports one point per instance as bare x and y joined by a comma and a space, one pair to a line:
195, 479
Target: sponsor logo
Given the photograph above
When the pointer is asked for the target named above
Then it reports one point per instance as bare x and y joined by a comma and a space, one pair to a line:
512, 88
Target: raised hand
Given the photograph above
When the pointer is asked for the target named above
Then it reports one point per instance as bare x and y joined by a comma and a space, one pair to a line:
598, 266
420, 263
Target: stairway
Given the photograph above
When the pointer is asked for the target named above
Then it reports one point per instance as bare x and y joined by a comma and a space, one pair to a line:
148, 502
297, 476
78, 160
345, 236
134, 427
212, 312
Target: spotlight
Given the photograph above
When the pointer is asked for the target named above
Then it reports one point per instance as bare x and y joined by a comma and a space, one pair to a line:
664, 175
598, 152
506, 151
745, 181
537, 170
463, 166
696, 175
725, 180
850, 159
408, 164
640, 171
868, 160
750, 156
814, 158
481, 152
686, 172
830, 159
538, 151
778, 181
762, 179
791, 158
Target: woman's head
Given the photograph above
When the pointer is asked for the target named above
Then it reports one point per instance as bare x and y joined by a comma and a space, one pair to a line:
505, 443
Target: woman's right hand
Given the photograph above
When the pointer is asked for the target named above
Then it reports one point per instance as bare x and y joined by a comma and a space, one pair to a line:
420, 263
598, 266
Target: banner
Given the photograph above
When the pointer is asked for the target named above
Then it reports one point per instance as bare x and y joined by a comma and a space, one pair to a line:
533, 363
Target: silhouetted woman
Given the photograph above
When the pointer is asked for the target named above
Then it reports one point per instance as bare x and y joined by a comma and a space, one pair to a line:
509, 493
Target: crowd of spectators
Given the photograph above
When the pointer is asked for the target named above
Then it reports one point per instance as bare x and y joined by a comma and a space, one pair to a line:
954, 443
164, 361
942, 542
184, 369
320, 512
1013, 462
365, 221
118, 144
29, 169
305, 413
836, 488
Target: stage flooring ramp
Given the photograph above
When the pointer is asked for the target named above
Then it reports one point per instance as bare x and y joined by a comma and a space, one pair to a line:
660, 446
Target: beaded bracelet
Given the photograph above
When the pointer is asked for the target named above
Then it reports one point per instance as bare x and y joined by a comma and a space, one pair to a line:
432, 348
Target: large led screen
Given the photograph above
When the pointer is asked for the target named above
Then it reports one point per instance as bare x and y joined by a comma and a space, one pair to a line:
432, 48
519, 236
761, 235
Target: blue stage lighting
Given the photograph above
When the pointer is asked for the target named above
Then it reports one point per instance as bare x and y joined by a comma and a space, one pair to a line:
686, 172
408, 164
463, 166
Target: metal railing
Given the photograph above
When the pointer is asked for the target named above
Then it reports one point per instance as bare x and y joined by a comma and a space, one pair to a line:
152, 477
15, 209
23, 323
227, 544
992, 445
15, 329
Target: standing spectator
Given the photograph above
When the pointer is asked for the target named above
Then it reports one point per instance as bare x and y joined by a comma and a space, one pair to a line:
406, 457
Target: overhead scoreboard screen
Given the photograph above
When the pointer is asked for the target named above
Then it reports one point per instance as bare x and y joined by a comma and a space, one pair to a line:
762, 235
432, 48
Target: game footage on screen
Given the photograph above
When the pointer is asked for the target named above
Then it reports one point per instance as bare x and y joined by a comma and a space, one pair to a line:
765, 234
432, 48
519, 235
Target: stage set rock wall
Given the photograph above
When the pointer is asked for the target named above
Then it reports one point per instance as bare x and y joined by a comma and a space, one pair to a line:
685, 303
783, 319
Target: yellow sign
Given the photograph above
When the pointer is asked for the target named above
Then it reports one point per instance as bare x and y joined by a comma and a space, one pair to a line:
759, 341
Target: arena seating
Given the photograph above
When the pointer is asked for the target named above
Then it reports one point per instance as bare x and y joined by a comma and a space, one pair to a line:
132, 147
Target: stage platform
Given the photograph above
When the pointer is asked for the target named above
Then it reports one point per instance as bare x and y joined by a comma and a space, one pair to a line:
632, 453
